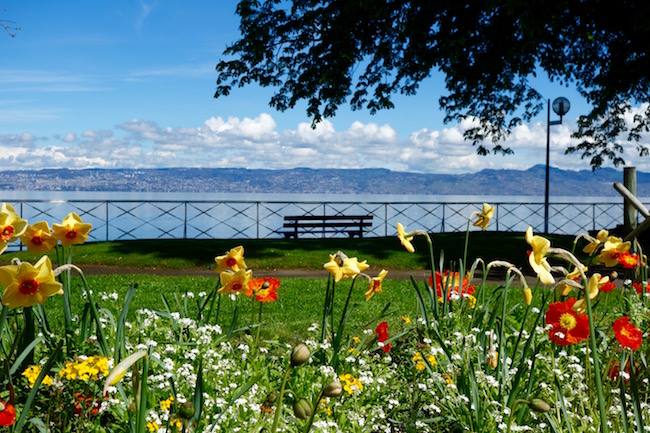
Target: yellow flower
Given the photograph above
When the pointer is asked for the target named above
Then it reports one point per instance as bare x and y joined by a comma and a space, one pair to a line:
573, 275
153, 426
356, 340
165, 405
31, 374
472, 301
38, 238
404, 238
596, 281
485, 216
71, 231
595, 243
11, 225
85, 368
537, 257
420, 365
235, 282
375, 284
26, 285
232, 261
405, 319
612, 249
350, 383
342, 266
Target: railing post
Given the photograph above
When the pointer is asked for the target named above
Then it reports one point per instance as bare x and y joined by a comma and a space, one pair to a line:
593, 217
386, 219
442, 225
257, 220
185, 221
107, 203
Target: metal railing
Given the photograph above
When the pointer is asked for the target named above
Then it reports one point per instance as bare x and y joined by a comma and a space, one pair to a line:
174, 219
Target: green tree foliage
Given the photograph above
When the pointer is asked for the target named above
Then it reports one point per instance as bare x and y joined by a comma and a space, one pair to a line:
326, 52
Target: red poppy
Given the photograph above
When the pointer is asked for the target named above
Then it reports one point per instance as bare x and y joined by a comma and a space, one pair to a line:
638, 286
627, 334
567, 326
607, 287
382, 335
264, 289
450, 284
7, 414
614, 371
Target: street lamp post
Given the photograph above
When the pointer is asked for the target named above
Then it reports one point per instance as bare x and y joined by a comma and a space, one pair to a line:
560, 107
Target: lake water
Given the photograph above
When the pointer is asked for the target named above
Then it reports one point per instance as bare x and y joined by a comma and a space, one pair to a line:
138, 215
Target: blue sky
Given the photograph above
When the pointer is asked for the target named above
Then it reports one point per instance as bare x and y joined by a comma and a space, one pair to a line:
131, 83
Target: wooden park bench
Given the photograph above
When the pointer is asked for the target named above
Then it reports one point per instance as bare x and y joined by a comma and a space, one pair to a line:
353, 225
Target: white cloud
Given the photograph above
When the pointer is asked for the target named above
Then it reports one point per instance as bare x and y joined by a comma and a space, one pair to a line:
257, 143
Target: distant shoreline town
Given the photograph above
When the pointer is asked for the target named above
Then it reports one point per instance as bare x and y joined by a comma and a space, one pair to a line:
322, 181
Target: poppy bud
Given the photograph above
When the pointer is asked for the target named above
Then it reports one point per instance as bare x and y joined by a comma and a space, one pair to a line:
272, 397
299, 355
539, 405
302, 409
186, 410
333, 389
613, 276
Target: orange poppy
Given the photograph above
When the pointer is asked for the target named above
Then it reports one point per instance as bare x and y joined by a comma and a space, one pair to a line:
7, 414
264, 289
627, 334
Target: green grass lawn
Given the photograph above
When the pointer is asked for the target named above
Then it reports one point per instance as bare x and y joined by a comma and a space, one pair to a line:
299, 304
302, 253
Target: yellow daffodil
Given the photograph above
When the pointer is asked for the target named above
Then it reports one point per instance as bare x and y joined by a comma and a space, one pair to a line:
232, 261
595, 243
485, 216
596, 281
342, 266
38, 238
235, 282
575, 274
26, 285
72, 231
375, 285
404, 238
613, 248
11, 226
537, 257
120, 370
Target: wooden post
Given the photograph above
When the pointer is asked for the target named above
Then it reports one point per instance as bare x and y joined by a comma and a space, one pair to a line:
629, 211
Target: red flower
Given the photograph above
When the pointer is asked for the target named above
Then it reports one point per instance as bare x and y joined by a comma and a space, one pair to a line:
450, 284
567, 326
382, 335
607, 287
638, 286
264, 289
628, 260
7, 414
614, 371
627, 334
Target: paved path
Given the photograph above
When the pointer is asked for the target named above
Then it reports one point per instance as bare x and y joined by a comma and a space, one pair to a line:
393, 274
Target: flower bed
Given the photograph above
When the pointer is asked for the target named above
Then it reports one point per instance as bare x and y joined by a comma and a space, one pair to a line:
567, 354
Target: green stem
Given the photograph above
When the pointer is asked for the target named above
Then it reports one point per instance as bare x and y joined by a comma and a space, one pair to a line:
280, 404
313, 412
466, 241
604, 428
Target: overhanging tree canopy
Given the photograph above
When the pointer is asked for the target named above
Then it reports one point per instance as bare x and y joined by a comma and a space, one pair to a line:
326, 52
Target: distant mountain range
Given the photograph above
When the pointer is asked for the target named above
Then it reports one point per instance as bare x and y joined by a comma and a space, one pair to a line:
323, 181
